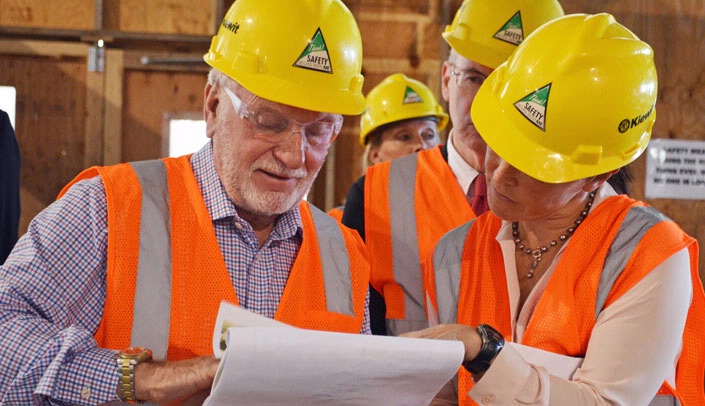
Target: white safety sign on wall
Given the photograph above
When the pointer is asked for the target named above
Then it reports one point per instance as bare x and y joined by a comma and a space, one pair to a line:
675, 169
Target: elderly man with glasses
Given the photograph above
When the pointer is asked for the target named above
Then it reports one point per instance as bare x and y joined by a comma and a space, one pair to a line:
113, 293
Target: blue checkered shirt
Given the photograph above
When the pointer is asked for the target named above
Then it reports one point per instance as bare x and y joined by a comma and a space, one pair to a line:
52, 289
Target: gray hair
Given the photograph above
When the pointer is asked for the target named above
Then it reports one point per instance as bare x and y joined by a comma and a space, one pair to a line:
218, 78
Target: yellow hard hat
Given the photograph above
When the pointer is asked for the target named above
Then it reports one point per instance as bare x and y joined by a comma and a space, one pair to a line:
488, 31
397, 98
303, 53
577, 99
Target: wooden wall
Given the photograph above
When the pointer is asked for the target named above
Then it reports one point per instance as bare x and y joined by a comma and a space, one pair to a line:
143, 16
56, 93
149, 95
65, 14
70, 117
51, 138
161, 16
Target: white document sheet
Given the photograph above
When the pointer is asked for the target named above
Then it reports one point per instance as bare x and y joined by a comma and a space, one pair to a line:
230, 315
275, 364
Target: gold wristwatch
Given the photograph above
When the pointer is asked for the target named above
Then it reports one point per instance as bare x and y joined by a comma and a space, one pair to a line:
126, 361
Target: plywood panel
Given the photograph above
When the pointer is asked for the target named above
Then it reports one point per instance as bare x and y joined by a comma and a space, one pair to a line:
376, 37
161, 16
431, 42
50, 124
65, 14
348, 158
148, 96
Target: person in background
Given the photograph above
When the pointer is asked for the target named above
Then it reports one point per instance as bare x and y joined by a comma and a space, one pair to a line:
403, 207
401, 116
9, 187
563, 263
114, 290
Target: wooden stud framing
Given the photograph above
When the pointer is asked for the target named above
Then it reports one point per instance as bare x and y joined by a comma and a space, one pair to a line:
112, 129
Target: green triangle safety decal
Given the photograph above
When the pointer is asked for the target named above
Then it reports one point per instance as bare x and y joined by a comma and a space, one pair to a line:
534, 106
410, 96
315, 56
512, 31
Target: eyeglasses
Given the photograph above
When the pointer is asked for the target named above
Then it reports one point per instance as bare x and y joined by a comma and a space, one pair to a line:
467, 78
272, 126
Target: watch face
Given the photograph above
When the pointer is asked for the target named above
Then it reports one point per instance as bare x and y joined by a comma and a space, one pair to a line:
138, 353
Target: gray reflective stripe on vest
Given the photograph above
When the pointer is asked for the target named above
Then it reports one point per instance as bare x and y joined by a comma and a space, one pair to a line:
636, 223
447, 259
152, 309
665, 400
337, 275
405, 244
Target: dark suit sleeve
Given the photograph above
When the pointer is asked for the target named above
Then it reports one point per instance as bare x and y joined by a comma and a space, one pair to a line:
354, 213
9, 187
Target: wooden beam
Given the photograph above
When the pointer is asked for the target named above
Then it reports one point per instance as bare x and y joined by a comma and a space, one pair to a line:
93, 137
112, 38
218, 15
165, 61
28, 47
112, 130
99, 13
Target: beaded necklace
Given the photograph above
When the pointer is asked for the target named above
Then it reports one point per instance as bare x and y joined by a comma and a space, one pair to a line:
537, 253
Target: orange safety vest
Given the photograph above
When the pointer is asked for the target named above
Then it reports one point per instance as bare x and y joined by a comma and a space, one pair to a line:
336, 213
199, 278
621, 237
410, 203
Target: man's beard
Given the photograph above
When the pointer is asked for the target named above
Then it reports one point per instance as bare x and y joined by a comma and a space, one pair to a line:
271, 203
241, 188
244, 193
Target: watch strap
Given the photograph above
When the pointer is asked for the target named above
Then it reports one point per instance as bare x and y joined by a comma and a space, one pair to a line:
126, 362
492, 344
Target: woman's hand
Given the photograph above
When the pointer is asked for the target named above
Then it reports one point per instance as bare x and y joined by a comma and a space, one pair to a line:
457, 332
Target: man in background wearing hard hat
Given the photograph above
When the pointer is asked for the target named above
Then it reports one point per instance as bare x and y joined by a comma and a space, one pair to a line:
401, 116
114, 290
403, 207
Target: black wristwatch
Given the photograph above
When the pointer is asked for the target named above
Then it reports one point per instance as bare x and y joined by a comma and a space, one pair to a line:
492, 344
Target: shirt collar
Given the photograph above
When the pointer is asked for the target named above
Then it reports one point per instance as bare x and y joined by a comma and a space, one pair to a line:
464, 173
